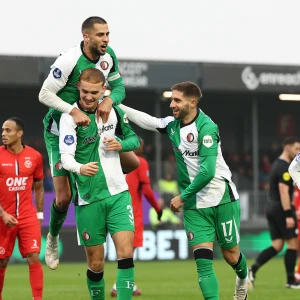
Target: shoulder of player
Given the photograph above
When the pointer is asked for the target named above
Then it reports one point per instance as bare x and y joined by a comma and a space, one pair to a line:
71, 56
110, 51
31, 151
204, 123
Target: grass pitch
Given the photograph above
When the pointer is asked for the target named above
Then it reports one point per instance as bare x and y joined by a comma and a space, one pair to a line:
158, 281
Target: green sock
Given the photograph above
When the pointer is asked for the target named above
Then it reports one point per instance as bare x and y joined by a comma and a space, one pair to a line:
125, 282
240, 268
207, 279
96, 289
56, 220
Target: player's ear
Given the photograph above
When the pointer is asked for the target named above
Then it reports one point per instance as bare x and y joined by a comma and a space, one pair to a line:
85, 37
78, 85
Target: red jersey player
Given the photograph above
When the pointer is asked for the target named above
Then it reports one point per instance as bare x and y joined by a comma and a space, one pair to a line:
21, 168
139, 184
297, 208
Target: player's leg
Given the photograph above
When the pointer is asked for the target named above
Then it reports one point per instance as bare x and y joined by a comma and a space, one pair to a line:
59, 207
7, 241
297, 274
29, 239
120, 224
227, 222
91, 233
276, 223
137, 242
129, 161
201, 234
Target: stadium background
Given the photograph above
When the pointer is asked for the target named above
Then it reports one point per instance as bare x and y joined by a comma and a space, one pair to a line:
240, 69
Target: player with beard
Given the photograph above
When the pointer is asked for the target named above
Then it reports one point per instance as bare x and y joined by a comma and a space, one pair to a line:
59, 92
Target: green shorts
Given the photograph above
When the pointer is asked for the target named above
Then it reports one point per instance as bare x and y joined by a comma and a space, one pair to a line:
52, 146
112, 214
222, 221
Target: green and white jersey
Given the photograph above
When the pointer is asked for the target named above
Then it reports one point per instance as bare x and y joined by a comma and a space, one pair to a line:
65, 73
86, 144
204, 178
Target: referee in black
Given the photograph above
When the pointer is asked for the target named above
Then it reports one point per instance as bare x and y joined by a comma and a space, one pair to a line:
281, 215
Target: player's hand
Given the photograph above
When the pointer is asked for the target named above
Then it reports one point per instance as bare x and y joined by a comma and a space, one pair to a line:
9, 220
176, 204
111, 144
104, 109
159, 215
89, 169
80, 118
290, 222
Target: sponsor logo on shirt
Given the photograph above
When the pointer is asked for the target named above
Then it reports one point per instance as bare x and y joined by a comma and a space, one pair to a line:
190, 153
104, 65
107, 127
6, 165
207, 141
57, 73
28, 164
90, 139
125, 119
16, 184
69, 140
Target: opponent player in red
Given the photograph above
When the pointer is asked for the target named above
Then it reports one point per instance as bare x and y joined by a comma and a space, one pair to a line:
21, 168
297, 208
139, 184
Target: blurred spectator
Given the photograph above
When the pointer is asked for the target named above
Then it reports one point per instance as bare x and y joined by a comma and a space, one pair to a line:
48, 183
169, 165
274, 151
168, 219
168, 187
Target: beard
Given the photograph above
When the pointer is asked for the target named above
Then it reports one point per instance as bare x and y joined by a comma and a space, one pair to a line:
95, 50
181, 113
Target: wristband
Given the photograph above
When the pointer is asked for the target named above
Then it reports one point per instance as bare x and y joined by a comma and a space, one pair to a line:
288, 213
40, 215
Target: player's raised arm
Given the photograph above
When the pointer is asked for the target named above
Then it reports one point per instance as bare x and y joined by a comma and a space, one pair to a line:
294, 170
144, 120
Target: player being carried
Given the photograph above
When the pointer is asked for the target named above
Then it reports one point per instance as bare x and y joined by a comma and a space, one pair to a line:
60, 92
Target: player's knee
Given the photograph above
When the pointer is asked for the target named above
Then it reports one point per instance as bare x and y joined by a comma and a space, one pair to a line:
33, 258
96, 265
231, 256
125, 252
62, 202
125, 263
4, 262
95, 276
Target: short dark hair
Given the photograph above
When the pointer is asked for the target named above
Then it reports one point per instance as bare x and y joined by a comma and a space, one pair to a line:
90, 22
92, 75
18, 121
290, 140
188, 89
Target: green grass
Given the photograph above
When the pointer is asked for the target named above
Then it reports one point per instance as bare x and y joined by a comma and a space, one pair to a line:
157, 280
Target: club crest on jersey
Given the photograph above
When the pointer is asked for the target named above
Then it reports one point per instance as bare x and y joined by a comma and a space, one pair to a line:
104, 65
86, 236
2, 250
207, 141
58, 165
57, 73
28, 164
190, 236
190, 137
69, 140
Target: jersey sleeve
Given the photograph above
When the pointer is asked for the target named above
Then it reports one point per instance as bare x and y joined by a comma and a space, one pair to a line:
144, 176
208, 140
67, 135
294, 170
124, 133
115, 80
283, 174
60, 71
146, 121
38, 173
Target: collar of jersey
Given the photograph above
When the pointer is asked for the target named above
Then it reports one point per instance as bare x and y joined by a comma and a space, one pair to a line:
88, 112
93, 61
183, 125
